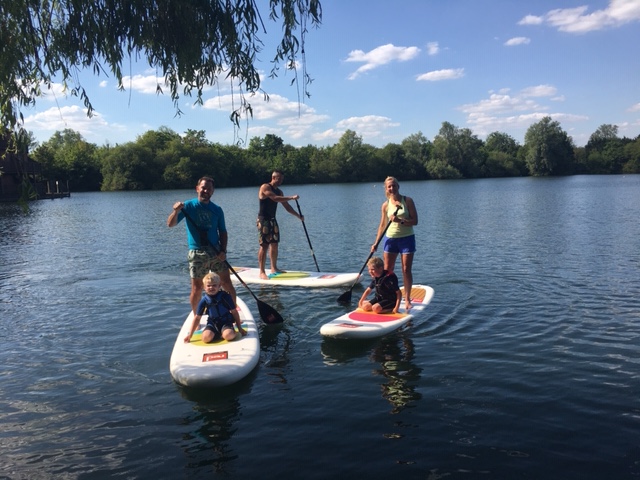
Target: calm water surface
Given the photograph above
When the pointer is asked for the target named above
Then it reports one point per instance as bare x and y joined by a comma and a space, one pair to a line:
525, 365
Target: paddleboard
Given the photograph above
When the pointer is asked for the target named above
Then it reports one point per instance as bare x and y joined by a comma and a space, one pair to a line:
217, 364
361, 324
297, 278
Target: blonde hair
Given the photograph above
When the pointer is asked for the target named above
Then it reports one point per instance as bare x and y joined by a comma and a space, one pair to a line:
376, 262
211, 277
392, 180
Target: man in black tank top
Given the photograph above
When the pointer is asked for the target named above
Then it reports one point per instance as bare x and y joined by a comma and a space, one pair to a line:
269, 196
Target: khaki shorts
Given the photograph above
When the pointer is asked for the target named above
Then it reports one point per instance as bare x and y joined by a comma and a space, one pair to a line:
204, 261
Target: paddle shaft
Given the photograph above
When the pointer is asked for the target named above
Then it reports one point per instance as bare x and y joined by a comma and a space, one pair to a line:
346, 297
308, 239
272, 316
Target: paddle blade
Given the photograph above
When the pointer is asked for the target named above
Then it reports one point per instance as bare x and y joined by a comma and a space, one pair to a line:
345, 297
268, 314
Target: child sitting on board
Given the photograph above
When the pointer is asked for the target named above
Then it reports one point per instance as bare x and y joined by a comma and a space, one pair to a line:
385, 285
222, 311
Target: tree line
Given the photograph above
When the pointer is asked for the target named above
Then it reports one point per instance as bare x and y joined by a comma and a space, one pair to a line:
163, 159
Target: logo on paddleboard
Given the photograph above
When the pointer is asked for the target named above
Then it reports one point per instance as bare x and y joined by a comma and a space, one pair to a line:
212, 357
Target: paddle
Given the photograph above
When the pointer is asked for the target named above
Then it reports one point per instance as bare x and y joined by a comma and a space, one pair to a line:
346, 296
268, 314
307, 234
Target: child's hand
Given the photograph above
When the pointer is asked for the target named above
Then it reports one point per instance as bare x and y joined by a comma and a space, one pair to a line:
187, 339
242, 331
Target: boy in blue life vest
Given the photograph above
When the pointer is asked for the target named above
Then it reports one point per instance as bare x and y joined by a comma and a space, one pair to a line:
222, 311
385, 285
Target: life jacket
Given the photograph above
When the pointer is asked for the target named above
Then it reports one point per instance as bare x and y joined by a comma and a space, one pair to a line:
221, 306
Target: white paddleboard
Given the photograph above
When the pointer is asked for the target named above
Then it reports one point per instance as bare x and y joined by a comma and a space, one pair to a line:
217, 364
297, 278
361, 324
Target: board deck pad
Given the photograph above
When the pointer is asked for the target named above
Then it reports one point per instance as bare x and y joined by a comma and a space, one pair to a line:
298, 278
361, 324
196, 338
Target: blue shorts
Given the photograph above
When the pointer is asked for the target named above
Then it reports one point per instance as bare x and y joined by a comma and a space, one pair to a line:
401, 245
217, 327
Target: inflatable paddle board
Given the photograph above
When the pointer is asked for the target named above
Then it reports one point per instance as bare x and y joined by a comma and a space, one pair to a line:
298, 278
361, 324
217, 364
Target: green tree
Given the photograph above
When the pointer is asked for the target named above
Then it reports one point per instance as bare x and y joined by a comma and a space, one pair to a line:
417, 151
458, 148
193, 43
605, 151
548, 149
68, 156
352, 157
603, 133
124, 168
502, 156
632, 156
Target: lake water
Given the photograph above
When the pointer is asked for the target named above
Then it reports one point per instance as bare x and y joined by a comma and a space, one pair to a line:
526, 364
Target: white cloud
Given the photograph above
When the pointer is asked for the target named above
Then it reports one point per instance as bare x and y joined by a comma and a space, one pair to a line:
277, 108
433, 48
635, 108
45, 123
293, 120
380, 56
148, 83
369, 127
503, 111
143, 83
54, 92
539, 91
577, 20
517, 41
438, 75
531, 20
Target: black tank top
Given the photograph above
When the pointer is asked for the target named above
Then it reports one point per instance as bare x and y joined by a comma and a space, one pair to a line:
267, 206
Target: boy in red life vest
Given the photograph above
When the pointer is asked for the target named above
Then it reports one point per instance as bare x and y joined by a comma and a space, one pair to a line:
385, 285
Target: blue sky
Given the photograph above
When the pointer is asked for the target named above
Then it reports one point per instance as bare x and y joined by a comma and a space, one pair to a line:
389, 69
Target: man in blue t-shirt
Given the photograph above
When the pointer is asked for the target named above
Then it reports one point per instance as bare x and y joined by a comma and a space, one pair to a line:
207, 238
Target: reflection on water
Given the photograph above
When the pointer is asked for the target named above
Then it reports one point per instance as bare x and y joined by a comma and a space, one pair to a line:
395, 354
207, 443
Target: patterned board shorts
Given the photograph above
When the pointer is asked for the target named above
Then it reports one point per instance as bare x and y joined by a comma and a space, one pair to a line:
203, 261
268, 231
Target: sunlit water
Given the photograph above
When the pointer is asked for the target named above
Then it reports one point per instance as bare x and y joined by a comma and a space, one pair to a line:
525, 365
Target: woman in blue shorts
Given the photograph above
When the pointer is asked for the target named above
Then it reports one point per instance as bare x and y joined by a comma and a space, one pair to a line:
400, 239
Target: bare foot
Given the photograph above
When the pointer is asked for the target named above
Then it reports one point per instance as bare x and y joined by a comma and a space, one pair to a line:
264, 276
407, 305
277, 270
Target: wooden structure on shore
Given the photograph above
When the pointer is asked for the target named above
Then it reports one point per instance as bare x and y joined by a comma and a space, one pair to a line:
19, 174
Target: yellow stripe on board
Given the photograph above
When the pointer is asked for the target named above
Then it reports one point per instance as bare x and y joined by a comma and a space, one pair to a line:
288, 275
196, 339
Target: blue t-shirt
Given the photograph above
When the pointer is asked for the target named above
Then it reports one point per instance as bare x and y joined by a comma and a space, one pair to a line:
207, 216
